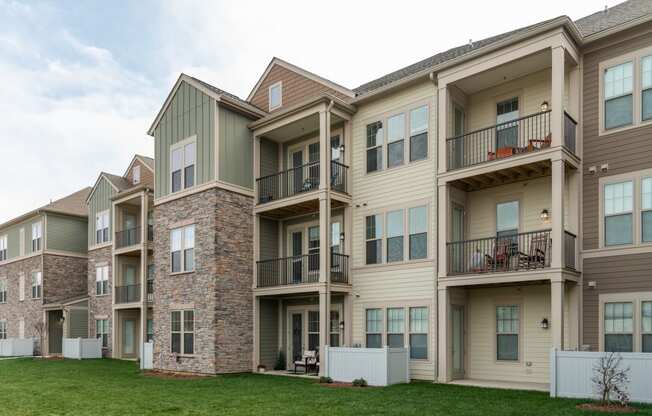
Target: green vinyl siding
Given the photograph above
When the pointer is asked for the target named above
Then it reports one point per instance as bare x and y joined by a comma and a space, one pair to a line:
236, 149
100, 201
268, 157
13, 236
67, 233
190, 113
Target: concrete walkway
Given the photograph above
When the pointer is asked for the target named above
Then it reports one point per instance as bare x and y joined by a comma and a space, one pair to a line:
502, 385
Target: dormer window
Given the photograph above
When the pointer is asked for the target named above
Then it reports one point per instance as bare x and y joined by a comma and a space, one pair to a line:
275, 95
136, 175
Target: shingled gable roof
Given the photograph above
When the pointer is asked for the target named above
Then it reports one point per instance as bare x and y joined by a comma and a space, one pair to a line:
612, 17
73, 204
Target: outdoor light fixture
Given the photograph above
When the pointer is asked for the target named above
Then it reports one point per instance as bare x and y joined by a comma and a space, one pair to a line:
544, 106
342, 236
545, 215
544, 323
341, 325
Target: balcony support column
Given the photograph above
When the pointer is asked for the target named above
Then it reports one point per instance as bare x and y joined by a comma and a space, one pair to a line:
144, 242
557, 233
444, 361
557, 96
442, 130
442, 228
256, 353
324, 235
557, 313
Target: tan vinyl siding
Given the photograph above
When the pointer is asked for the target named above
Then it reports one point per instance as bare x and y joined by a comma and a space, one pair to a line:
100, 201
146, 175
268, 157
268, 332
67, 233
612, 274
191, 112
236, 149
625, 151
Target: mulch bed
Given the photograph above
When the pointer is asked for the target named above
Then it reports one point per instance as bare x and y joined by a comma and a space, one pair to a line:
343, 386
606, 408
169, 375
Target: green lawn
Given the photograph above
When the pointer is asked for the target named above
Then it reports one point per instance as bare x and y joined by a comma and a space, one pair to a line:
107, 387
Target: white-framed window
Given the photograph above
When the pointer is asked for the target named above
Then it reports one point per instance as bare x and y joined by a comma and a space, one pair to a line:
374, 328
375, 142
395, 236
419, 333
619, 326
3, 247
374, 239
182, 249
646, 326
182, 165
618, 218
618, 97
102, 220
3, 290
335, 328
395, 327
410, 223
419, 133
21, 241
646, 210
135, 174
102, 331
37, 235
395, 140
37, 285
646, 88
418, 219
182, 332
3, 329
313, 330
507, 332
275, 94
150, 330
102, 280
21, 287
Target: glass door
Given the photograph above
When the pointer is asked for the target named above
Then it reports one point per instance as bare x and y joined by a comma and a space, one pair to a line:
506, 132
129, 227
297, 260
458, 341
313, 160
296, 163
128, 337
297, 336
313, 250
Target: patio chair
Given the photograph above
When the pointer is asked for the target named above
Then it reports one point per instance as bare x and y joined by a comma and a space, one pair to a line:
502, 255
310, 359
538, 144
536, 255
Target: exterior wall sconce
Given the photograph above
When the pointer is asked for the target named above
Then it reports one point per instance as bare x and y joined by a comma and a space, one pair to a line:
341, 325
341, 236
544, 106
545, 215
544, 323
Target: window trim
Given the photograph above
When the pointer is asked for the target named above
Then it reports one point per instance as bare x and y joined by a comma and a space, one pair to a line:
104, 331
387, 320
183, 249
182, 332
382, 326
3, 290
38, 226
104, 278
637, 299
38, 286
278, 84
427, 333
3, 329
135, 174
519, 334
4, 247
100, 216
181, 145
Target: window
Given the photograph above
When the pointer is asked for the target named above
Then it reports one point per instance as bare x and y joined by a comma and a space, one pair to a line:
102, 227
374, 328
395, 327
419, 133
183, 165
313, 330
102, 280
507, 330
395, 236
37, 283
37, 234
182, 249
507, 218
506, 132
418, 233
183, 332
313, 249
21, 287
618, 99
21, 242
374, 239
395, 140
646, 88
150, 330
335, 329
275, 95
102, 331
3, 248
3, 291
646, 326
618, 204
618, 326
419, 333
136, 175
646, 210
3, 329
375, 146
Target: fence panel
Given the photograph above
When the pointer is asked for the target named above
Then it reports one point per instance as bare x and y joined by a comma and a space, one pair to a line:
378, 366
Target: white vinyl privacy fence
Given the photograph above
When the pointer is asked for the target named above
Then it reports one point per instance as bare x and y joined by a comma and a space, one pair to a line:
17, 347
82, 348
147, 362
378, 366
571, 373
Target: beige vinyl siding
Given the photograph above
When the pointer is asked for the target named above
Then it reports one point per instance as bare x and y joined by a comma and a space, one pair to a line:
268, 157
67, 233
13, 236
268, 332
236, 149
268, 239
191, 112
100, 201
412, 184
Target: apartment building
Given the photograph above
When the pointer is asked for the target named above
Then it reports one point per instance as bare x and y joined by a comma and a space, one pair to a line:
120, 275
43, 265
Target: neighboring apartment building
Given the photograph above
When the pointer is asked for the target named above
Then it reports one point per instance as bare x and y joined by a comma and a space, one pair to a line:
120, 259
43, 274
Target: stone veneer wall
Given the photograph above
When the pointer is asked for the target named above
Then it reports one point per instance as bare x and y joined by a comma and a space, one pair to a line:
100, 305
64, 277
219, 290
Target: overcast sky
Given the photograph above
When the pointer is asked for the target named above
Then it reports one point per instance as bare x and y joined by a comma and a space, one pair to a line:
82, 81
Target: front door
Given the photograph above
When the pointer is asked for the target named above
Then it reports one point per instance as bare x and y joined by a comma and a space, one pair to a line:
297, 336
458, 341
507, 126
128, 338
297, 171
55, 332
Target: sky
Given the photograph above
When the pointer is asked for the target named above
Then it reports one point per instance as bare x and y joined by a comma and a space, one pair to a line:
82, 81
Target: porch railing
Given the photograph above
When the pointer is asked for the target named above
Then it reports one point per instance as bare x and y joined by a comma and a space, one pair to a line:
127, 294
504, 253
569, 249
523, 135
299, 180
128, 237
150, 291
300, 269
570, 132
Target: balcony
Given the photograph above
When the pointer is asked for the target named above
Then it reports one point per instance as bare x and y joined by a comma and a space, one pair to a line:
128, 237
127, 294
302, 269
299, 180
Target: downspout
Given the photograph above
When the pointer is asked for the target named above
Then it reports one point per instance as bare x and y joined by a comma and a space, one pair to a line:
433, 79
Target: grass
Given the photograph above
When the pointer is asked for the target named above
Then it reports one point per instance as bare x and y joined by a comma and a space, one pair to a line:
107, 387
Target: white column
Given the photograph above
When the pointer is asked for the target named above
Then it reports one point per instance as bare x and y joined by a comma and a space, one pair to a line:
324, 235
558, 179
557, 96
442, 228
442, 130
444, 362
256, 353
324, 325
557, 313
143, 274
348, 320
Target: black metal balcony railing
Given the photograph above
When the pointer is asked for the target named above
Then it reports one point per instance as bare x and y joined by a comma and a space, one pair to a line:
127, 294
150, 291
523, 135
570, 132
507, 253
569, 249
299, 180
126, 238
300, 269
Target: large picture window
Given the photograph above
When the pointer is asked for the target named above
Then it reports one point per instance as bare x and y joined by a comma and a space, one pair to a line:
507, 332
619, 326
618, 205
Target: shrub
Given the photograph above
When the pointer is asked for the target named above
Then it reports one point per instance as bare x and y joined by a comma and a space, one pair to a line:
360, 382
325, 380
280, 361
610, 380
